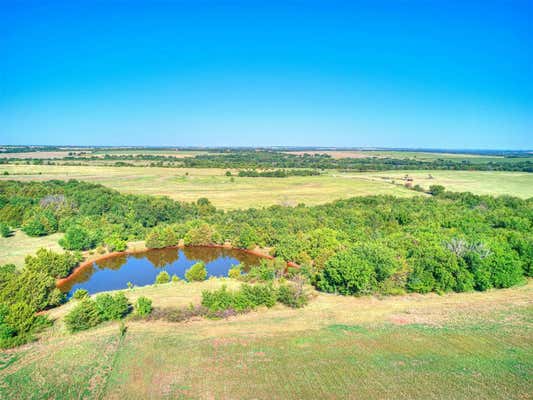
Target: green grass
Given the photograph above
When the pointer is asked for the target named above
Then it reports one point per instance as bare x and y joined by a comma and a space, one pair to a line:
15, 248
211, 183
518, 184
258, 192
460, 346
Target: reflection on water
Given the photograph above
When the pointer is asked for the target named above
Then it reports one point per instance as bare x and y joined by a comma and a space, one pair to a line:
142, 268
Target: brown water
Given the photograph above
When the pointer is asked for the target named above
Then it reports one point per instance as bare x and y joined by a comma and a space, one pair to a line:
142, 268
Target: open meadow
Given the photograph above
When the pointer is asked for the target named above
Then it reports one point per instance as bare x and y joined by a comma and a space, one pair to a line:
460, 346
189, 184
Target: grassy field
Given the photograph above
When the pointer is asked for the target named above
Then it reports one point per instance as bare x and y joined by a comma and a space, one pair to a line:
518, 184
418, 155
191, 184
15, 248
456, 346
210, 183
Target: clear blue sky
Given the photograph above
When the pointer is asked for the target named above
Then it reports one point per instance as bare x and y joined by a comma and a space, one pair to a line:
448, 74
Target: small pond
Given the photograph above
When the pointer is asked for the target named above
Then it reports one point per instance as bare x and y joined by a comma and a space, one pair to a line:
142, 268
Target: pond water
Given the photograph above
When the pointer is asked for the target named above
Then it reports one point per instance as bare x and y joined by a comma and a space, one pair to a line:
142, 268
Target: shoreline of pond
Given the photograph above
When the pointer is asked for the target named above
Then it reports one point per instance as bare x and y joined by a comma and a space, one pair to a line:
87, 263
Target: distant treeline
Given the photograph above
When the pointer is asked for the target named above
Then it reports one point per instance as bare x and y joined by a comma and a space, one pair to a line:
278, 173
250, 160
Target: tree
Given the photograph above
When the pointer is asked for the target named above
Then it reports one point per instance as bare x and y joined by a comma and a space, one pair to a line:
40, 224
201, 236
55, 264
162, 277
196, 273
4, 230
436, 190
112, 307
143, 306
83, 316
78, 238
348, 273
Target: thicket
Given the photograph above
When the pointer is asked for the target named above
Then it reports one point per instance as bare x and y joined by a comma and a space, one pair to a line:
91, 312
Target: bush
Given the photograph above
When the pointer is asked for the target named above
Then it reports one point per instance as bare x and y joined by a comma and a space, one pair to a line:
292, 296
247, 298
4, 230
80, 294
160, 237
40, 224
175, 278
78, 238
112, 307
84, 316
162, 277
196, 273
54, 264
202, 235
116, 243
235, 272
436, 190
356, 271
143, 307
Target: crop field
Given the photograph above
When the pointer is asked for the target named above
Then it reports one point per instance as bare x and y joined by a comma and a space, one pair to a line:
461, 346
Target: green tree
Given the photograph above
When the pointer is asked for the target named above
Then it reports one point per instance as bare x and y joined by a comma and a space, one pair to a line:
196, 273
83, 316
162, 277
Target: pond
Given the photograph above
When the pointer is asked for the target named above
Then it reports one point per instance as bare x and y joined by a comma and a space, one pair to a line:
142, 268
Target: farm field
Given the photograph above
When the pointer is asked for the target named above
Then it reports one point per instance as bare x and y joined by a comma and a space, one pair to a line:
190, 184
211, 183
418, 155
518, 184
469, 345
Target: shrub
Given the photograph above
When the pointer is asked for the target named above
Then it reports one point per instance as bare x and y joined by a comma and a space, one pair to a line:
201, 236
436, 190
112, 307
162, 277
40, 224
292, 296
143, 307
55, 264
161, 236
259, 295
84, 316
235, 272
175, 278
218, 300
4, 230
116, 243
78, 238
196, 273
80, 294
357, 270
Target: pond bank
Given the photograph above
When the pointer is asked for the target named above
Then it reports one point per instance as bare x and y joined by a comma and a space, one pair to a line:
142, 249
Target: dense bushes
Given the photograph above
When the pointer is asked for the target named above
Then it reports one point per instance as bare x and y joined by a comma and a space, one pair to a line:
78, 238
161, 236
249, 297
91, 312
4, 230
57, 265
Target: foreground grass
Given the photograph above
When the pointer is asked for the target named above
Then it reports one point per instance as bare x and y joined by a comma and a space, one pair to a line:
474, 345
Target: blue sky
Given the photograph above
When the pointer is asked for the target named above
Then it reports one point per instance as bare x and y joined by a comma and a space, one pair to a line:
447, 74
